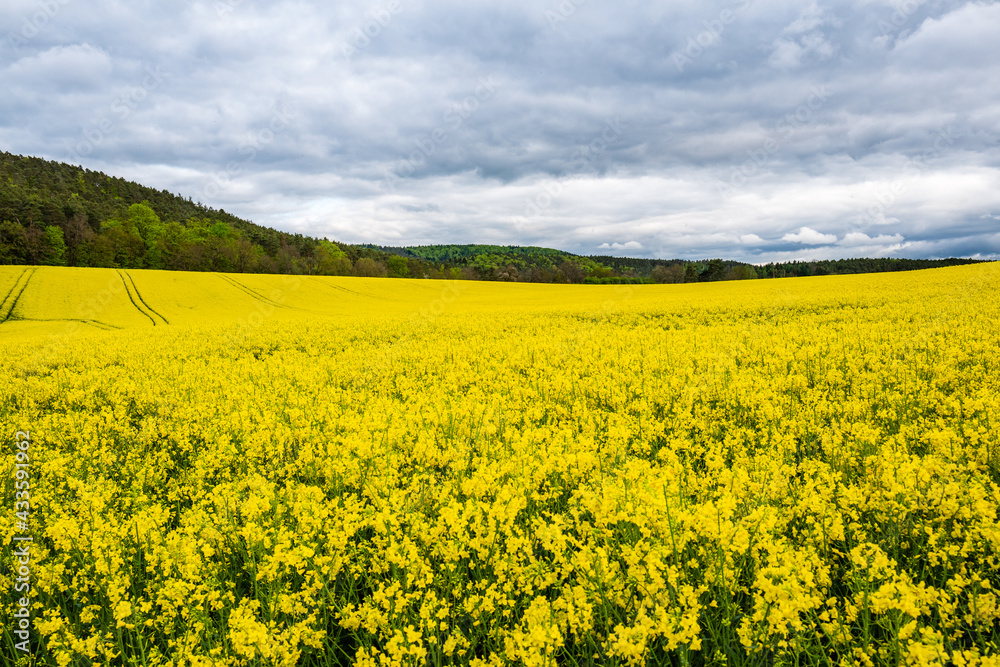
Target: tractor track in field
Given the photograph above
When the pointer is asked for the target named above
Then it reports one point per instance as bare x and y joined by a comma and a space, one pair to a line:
8, 305
3, 304
252, 293
103, 326
349, 291
143, 301
137, 307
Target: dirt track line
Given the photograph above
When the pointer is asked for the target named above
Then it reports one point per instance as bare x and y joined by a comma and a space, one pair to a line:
127, 291
3, 304
251, 293
103, 326
136, 290
8, 311
350, 291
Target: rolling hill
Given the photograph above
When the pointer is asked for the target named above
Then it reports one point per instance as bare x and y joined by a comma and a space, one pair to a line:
56, 214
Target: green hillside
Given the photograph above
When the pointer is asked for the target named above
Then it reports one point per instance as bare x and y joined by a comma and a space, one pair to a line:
57, 214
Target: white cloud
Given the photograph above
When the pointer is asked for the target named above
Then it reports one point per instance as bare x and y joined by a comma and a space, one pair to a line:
539, 162
630, 245
964, 33
810, 236
810, 17
787, 53
66, 69
862, 239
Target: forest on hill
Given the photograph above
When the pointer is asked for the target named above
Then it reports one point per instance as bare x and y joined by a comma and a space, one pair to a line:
52, 213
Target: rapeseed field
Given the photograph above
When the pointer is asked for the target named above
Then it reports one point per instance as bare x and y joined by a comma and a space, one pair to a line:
265, 470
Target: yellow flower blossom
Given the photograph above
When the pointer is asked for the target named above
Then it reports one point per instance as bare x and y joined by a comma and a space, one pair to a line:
308, 470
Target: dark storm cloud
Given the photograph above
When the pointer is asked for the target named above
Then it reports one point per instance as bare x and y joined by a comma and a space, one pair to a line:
747, 129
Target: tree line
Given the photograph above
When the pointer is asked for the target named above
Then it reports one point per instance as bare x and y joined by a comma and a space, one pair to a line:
58, 214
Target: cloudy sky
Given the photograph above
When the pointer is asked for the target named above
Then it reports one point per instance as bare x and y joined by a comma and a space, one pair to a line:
746, 129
